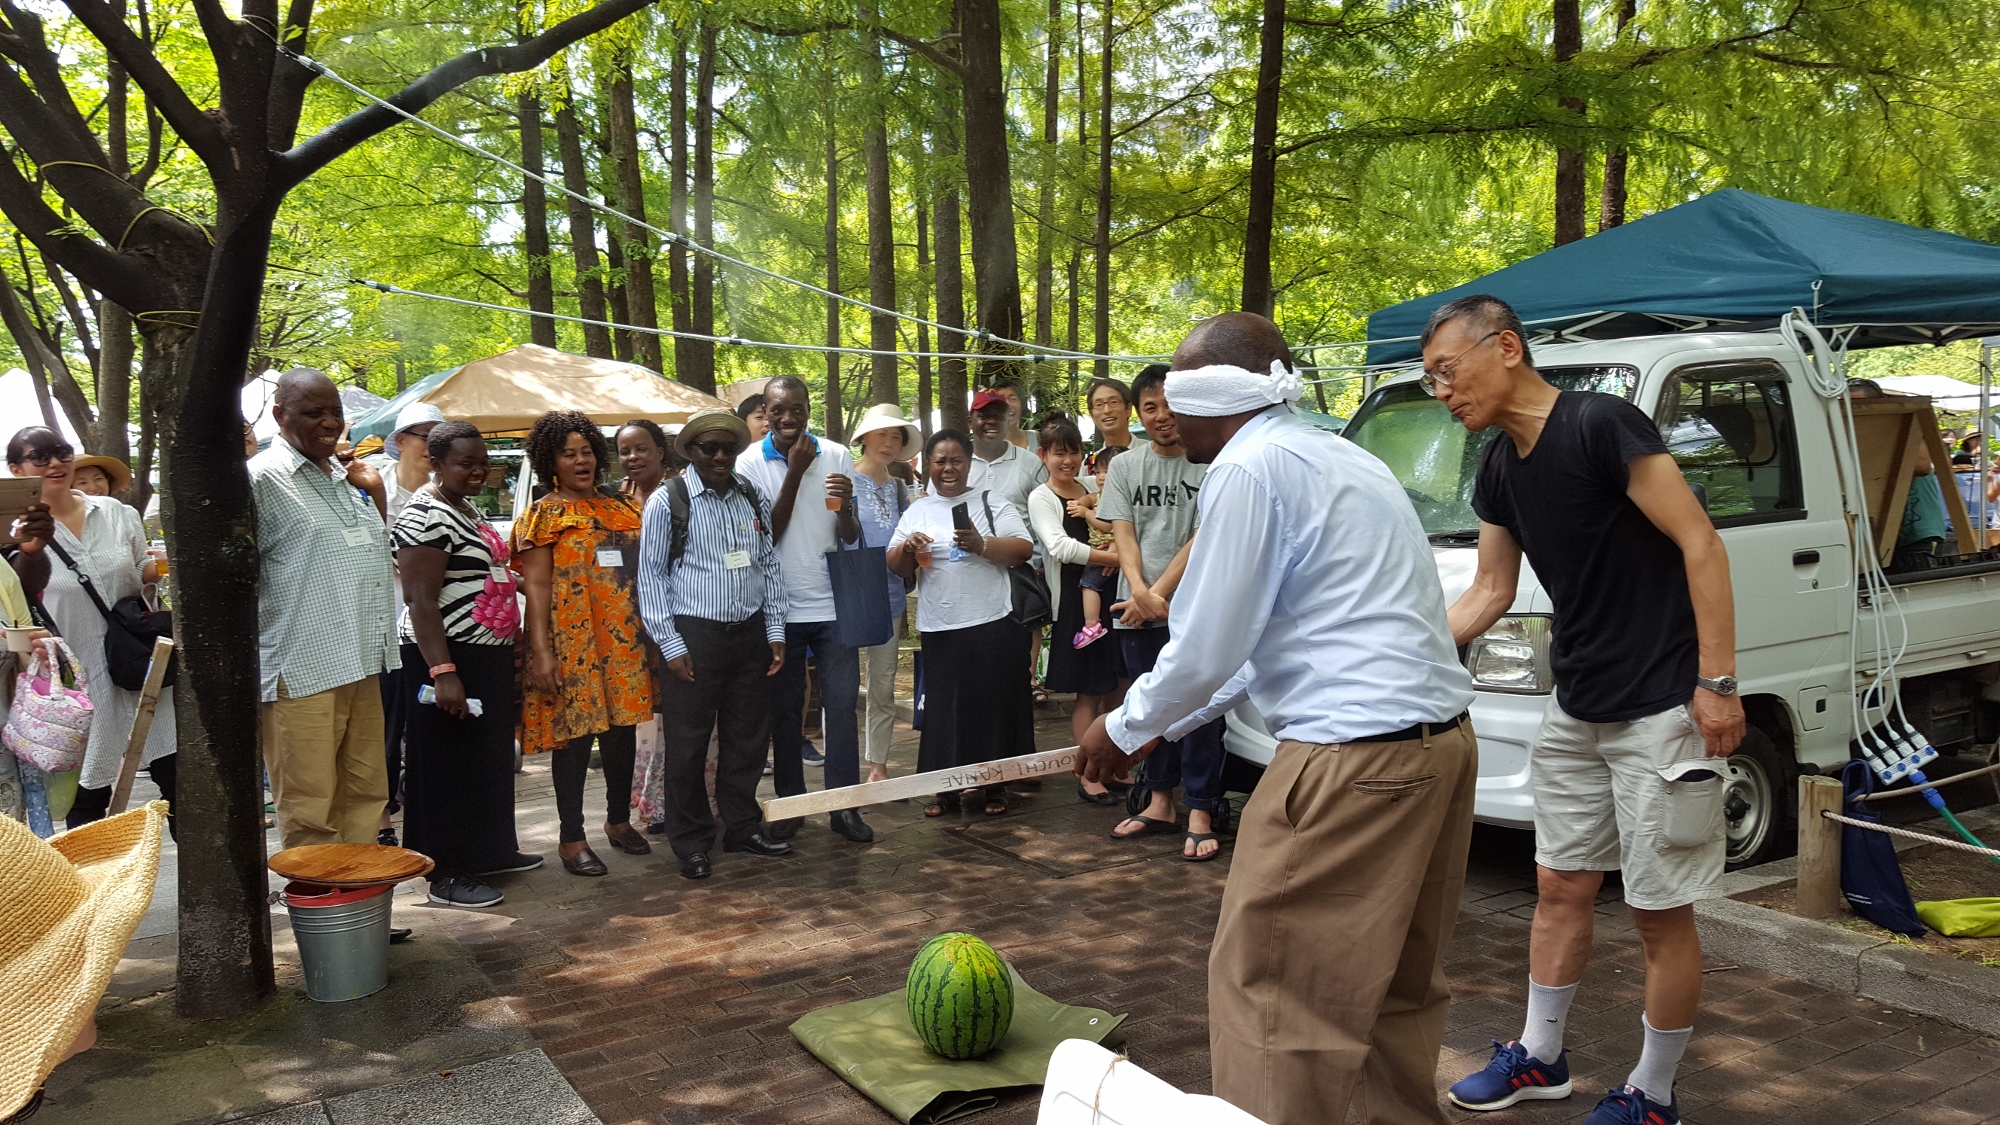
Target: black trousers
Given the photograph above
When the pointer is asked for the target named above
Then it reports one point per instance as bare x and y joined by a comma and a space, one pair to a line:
396, 705
458, 789
92, 804
571, 765
730, 698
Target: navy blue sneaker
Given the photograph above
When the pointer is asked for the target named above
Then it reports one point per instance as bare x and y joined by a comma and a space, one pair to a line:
1512, 1076
1628, 1106
811, 754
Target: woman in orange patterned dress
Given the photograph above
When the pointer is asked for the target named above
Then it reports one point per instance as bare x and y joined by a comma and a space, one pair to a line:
585, 675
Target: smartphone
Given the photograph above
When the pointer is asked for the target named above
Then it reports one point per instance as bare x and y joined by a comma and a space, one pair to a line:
961, 519
16, 493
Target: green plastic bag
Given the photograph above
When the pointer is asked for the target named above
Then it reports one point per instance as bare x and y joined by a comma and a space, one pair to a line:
1962, 917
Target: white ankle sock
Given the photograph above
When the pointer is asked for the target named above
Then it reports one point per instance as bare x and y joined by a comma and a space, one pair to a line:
1548, 1012
1661, 1057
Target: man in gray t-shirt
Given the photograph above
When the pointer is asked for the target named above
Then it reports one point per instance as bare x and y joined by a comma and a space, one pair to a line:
1149, 500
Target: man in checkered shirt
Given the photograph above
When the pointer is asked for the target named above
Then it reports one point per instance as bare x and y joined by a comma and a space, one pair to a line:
327, 621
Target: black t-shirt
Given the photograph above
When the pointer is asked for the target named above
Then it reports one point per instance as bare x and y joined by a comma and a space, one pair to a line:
1625, 644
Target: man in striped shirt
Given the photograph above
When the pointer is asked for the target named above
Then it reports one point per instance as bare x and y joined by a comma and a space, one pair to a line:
713, 599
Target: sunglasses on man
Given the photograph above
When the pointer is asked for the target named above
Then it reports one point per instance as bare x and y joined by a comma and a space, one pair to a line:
716, 448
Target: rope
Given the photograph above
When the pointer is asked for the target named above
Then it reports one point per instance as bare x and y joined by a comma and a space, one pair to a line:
1931, 784
1924, 836
385, 287
673, 239
1097, 1099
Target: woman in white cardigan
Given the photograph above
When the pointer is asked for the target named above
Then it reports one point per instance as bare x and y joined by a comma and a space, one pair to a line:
1057, 521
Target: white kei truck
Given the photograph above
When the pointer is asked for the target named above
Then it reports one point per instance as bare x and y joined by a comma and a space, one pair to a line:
1757, 421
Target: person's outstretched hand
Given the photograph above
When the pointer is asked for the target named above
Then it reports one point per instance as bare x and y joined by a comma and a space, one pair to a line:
1099, 759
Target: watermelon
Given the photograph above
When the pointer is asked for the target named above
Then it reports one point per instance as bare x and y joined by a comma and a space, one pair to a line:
960, 995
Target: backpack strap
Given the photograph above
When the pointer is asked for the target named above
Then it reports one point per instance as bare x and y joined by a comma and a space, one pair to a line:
677, 511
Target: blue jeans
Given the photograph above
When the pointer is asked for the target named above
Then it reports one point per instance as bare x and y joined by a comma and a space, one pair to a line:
839, 692
1194, 762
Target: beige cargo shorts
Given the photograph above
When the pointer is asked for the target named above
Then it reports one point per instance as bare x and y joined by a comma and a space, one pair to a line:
1605, 801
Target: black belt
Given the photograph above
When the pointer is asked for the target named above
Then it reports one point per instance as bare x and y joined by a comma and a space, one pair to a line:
1415, 731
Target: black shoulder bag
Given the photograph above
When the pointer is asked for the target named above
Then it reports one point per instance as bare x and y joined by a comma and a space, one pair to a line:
1032, 609
129, 630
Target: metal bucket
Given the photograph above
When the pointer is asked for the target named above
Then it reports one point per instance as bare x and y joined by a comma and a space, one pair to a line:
343, 939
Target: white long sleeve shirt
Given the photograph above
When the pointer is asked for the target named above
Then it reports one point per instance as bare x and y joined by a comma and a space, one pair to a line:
1311, 589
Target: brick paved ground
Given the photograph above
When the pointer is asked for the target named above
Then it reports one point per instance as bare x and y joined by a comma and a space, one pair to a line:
667, 1001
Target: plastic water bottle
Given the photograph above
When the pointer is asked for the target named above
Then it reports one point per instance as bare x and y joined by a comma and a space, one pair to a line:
428, 694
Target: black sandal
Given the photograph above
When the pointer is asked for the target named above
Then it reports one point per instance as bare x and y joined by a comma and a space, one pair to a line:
941, 804
1196, 839
996, 804
1151, 827
1105, 798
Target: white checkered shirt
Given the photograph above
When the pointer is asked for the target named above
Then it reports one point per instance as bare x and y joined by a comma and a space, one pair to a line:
323, 605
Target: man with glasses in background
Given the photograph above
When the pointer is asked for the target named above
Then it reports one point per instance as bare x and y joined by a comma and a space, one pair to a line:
713, 598
1645, 690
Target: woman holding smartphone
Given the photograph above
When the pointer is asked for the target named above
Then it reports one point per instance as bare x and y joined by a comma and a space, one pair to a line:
957, 546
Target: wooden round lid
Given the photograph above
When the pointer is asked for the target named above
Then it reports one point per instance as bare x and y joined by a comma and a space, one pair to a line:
350, 865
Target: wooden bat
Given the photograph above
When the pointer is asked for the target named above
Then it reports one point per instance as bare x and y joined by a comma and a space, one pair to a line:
142, 724
923, 784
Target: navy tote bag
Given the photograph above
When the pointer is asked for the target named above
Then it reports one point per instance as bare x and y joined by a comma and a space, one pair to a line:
860, 578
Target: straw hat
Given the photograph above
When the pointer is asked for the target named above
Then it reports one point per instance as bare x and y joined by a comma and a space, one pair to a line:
888, 416
68, 906
712, 420
116, 471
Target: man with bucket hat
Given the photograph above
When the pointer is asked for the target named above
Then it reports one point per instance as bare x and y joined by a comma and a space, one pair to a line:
713, 599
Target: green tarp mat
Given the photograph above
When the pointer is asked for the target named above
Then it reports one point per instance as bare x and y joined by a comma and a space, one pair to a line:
869, 1043
1734, 259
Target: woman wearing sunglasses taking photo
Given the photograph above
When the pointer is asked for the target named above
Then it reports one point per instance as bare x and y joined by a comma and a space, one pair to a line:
105, 542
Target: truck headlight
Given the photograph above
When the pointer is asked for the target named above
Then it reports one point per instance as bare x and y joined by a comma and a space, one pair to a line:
1512, 656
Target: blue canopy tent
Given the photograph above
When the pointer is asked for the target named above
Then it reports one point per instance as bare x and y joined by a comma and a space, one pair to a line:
1736, 259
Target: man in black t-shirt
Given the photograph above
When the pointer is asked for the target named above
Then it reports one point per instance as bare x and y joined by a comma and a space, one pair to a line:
1644, 655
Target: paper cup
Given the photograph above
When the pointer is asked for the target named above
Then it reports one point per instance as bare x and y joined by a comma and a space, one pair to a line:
20, 640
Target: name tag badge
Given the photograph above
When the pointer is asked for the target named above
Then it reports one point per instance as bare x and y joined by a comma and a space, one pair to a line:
499, 574
735, 560
355, 536
610, 556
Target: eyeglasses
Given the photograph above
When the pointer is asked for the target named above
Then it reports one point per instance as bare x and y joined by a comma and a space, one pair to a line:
716, 448
1447, 369
41, 457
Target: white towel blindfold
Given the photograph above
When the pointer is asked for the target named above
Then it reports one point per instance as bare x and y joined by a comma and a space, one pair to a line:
1222, 389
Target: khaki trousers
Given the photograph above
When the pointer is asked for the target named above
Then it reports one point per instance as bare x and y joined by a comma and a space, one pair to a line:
329, 776
1326, 983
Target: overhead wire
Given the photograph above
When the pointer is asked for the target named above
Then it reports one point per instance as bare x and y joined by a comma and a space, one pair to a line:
1031, 352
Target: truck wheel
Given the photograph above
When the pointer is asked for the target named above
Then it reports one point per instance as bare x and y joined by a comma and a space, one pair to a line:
1760, 810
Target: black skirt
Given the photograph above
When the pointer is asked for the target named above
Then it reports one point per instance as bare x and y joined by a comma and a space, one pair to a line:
458, 774
1093, 669
977, 706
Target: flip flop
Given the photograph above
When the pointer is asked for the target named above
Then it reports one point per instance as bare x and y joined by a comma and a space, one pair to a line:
1196, 838
1152, 828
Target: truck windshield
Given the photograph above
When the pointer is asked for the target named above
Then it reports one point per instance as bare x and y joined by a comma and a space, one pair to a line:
1435, 458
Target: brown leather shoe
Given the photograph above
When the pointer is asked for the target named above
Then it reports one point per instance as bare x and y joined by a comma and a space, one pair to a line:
585, 862
627, 839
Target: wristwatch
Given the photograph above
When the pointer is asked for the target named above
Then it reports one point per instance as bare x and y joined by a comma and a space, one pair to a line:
1721, 685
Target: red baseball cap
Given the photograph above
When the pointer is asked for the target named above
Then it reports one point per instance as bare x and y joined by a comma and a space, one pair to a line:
984, 399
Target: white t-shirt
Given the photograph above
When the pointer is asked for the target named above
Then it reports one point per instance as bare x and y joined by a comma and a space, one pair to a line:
811, 532
967, 591
1010, 477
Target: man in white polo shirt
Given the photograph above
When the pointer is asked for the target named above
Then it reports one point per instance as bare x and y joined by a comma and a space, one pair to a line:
804, 479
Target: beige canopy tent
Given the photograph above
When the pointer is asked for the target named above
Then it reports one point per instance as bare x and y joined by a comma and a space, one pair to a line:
504, 394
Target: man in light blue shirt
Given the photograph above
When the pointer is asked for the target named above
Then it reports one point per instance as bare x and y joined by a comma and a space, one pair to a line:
713, 599
1312, 592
